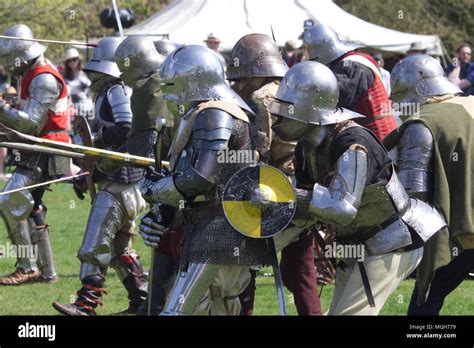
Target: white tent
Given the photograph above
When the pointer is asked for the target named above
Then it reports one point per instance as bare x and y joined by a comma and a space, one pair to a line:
190, 21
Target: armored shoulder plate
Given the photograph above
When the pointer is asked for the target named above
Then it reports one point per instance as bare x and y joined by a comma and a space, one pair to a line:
415, 152
44, 89
118, 97
212, 129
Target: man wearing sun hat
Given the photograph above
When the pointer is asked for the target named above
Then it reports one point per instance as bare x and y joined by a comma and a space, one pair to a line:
213, 43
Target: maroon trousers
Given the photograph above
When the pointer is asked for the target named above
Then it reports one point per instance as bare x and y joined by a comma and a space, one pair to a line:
299, 276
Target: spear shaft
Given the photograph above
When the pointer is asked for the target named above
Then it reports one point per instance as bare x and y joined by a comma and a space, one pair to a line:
72, 43
45, 183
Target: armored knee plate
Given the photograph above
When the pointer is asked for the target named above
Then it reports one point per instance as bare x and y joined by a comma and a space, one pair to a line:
105, 219
17, 206
189, 288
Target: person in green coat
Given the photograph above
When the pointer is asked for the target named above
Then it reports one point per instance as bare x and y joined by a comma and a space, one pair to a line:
434, 149
140, 63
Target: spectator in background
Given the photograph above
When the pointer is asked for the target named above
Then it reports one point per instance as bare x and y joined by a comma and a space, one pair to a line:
291, 46
385, 73
306, 25
416, 48
461, 72
300, 54
78, 83
213, 43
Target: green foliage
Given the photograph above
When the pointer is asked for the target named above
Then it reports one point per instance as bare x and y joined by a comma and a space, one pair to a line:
68, 19
451, 20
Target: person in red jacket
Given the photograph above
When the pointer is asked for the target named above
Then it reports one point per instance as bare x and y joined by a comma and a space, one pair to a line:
42, 112
361, 87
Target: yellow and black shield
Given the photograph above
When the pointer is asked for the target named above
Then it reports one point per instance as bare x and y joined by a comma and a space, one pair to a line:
259, 201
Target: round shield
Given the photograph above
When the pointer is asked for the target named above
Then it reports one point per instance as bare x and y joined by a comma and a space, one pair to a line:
259, 201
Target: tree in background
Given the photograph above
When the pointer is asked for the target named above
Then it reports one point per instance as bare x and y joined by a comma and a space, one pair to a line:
68, 19
451, 20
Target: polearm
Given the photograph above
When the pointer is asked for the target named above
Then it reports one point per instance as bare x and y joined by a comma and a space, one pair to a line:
45, 183
117, 18
96, 155
11, 138
42, 149
71, 43
160, 127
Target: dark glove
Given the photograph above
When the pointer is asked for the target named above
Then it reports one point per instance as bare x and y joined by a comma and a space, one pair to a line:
151, 176
154, 225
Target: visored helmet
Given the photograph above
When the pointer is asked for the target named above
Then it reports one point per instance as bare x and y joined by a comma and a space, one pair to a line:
195, 73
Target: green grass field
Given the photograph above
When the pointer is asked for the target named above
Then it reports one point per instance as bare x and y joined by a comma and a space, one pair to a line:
67, 217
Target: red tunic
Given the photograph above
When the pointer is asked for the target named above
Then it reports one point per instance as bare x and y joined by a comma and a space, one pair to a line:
56, 128
374, 104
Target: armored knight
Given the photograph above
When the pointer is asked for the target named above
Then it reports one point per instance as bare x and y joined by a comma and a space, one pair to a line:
257, 69
139, 62
215, 258
110, 227
42, 112
348, 181
435, 162
360, 82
